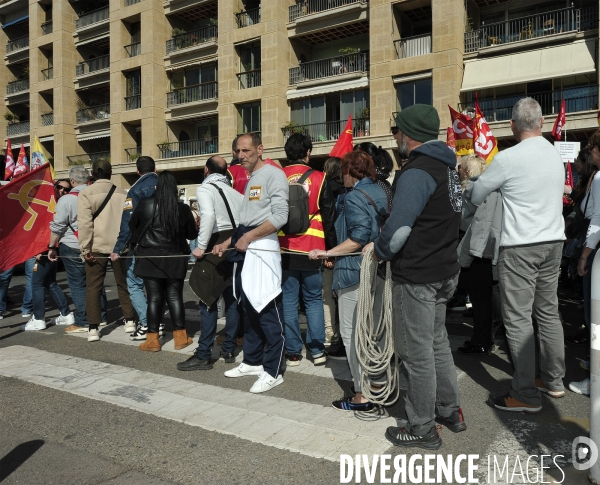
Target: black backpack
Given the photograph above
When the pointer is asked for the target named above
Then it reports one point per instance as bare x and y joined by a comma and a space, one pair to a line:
299, 216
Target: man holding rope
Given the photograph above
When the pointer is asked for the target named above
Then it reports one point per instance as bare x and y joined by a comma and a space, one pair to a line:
420, 239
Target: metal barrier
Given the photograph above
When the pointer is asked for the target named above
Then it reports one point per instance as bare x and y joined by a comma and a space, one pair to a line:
47, 27
332, 66
330, 130
87, 158
248, 17
47, 73
133, 50
192, 38
48, 119
308, 7
17, 44
133, 153
249, 79
17, 86
188, 148
14, 129
93, 65
133, 102
92, 17
413, 46
189, 94
93, 113
131, 2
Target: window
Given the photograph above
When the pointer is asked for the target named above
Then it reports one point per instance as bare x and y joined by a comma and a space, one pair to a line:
249, 120
250, 57
194, 76
418, 91
207, 129
133, 90
331, 107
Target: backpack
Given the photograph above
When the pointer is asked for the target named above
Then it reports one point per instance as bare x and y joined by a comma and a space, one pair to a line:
299, 216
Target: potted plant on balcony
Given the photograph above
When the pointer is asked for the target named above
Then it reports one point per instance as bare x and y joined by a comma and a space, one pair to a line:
291, 127
179, 41
11, 118
362, 122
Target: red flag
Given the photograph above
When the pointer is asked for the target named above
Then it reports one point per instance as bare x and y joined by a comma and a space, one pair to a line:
569, 179
450, 140
484, 143
559, 124
22, 163
462, 125
343, 144
568, 186
9, 162
27, 209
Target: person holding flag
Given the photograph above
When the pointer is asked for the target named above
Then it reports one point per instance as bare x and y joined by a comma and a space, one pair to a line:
484, 143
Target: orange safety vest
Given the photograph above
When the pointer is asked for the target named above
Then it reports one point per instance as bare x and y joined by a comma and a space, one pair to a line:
314, 237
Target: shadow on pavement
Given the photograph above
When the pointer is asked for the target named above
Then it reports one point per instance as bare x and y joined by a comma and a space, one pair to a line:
17, 456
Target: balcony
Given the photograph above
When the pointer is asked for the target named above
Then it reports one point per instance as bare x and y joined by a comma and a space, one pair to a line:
249, 79
92, 17
15, 129
93, 113
413, 46
17, 44
133, 102
309, 7
331, 130
47, 74
17, 86
92, 65
192, 38
47, 27
248, 17
48, 119
189, 94
133, 50
189, 148
532, 27
131, 2
133, 153
86, 158
583, 98
331, 67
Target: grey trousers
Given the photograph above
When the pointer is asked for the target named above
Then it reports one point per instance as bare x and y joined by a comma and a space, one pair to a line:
528, 282
422, 344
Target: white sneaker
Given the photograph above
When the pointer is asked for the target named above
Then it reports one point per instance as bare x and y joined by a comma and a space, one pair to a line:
130, 326
243, 370
582, 387
34, 324
103, 324
26, 315
266, 382
93, 335
65, 319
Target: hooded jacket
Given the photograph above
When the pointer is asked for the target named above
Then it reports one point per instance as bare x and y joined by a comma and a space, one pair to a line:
421, 235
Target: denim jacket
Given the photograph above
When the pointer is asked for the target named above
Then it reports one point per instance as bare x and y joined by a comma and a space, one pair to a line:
144, 187
358, 222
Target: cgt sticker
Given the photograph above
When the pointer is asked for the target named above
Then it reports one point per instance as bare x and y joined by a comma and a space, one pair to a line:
255, 192
128, 205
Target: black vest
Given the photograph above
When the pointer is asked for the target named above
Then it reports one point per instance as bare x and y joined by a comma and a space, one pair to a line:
429, 254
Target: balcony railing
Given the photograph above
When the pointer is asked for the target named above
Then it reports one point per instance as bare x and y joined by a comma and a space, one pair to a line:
17, 44
248, 17
249, 79
331, 130
133, 102
47, 27
583, 98
48, 119
14, 129
17, 86
133, 153
47, 73
133, 50
131, 2
190, 94
308, 7
189, 148
192, 38
92, 65
87, 158
93, 113
92, 17
333, 66
413, 46
532, 27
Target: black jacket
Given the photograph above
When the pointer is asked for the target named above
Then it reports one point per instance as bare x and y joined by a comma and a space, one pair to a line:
154, 237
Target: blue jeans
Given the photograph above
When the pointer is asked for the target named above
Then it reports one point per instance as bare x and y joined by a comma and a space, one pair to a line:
27, 306
45, 277
135, 285
587, 291
208, 326
193, 245
76, 278
5, 278
312, 294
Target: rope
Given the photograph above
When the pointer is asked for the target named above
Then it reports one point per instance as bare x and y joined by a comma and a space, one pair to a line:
374, 341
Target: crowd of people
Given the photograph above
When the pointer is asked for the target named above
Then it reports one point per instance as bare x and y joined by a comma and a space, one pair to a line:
268, 240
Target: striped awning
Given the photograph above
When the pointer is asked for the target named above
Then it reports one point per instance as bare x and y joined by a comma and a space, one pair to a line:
14, 22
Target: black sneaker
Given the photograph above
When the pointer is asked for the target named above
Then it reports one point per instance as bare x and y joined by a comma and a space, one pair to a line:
402, 437
293, 359
228, 357
455, 422
194, 363
139, 333
454, 305
470, 349
337, 354
346, 404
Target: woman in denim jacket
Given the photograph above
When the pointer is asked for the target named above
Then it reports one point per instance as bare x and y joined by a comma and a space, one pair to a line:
356, 226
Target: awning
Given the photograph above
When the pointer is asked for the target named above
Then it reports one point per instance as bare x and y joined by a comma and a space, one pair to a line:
362, 82
93, 136
546, 63
195, 62
22, 19
47, 138
91, 40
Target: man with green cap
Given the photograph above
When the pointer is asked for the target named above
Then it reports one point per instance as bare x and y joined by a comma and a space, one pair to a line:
420, 239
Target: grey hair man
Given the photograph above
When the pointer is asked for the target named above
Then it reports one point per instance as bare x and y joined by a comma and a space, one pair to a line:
531, 179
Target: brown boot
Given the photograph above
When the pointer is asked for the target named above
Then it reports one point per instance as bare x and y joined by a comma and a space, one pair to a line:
181, 339
152, 344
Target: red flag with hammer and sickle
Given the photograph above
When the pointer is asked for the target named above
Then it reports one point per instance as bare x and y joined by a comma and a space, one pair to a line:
344, 143
27, 208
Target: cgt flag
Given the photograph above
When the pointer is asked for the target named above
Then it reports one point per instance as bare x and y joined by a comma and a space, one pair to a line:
27, 209
9, 162
559, 124
450, 139
462, 126
485, 143
22, 163
343, 144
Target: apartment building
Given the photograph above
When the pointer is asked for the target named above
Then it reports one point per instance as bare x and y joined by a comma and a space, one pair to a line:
179, 79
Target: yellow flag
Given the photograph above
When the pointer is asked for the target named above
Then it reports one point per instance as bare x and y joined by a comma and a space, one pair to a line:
39, 156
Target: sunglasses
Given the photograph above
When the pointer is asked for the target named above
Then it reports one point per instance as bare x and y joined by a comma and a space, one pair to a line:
62, 187
394, 130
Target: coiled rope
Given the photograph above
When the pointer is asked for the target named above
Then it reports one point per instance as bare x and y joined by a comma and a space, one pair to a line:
374, 341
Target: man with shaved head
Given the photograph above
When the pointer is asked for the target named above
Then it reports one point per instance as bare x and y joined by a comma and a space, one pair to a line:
219, 207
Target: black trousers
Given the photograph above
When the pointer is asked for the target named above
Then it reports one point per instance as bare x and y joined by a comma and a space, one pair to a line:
159, 291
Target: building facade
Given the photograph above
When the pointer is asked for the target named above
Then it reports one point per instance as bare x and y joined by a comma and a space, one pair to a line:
179, 79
